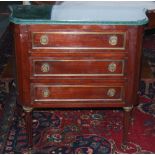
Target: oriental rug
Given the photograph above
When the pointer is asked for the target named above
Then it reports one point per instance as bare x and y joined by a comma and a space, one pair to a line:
86, 131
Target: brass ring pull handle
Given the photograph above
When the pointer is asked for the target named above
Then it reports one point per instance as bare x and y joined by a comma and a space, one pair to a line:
111, 92
44, 40
45, 92
112, 67
113, 40
45, 67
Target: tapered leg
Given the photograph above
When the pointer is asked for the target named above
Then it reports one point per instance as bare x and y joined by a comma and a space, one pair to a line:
133, 115
28, 123
126, 123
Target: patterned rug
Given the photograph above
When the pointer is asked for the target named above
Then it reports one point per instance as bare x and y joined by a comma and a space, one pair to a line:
84, 131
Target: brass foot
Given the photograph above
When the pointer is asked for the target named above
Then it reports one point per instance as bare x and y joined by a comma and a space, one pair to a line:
128, 109
27, 109
29, 151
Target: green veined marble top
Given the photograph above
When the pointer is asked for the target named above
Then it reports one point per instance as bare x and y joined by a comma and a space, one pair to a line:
77, 14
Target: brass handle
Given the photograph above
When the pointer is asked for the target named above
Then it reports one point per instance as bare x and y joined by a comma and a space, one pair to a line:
111, 92
45, 92
45, 67
44, 39
112, 67
113, 40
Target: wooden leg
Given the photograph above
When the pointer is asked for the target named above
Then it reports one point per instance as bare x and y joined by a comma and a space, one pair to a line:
19, 109
28, 122
126, 123
133, 115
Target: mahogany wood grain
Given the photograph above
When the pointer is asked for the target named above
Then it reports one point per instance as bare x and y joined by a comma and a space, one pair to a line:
81, 66
76, 92
28, 121
78, 75
63, 38
126, 122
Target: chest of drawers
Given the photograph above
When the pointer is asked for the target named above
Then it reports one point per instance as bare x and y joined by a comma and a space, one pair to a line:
77, 66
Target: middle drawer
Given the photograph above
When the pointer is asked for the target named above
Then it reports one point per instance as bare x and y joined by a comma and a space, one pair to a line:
45, 67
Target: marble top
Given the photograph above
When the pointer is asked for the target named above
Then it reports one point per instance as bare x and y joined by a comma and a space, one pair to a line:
79, 13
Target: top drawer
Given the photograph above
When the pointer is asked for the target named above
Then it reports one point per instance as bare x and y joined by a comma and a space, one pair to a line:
78, 40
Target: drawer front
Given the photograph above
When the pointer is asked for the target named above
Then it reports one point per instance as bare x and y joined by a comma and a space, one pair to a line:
78, 40
70, 93
49, 67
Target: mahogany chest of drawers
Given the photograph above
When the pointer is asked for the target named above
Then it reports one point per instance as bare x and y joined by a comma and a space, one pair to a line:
77, 66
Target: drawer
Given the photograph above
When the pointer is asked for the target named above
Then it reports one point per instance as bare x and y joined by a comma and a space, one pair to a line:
87, 67
80, 93
78, 40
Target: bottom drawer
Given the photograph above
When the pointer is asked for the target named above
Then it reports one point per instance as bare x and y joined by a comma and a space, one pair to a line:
42, 93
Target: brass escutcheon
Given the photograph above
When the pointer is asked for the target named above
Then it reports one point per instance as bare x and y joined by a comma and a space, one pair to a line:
113, 40
45, 67
112, 67
44, 40
45, 92
111, 92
